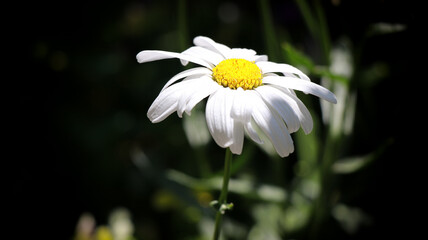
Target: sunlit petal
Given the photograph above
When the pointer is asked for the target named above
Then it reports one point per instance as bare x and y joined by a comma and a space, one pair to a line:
273, 127
167, 102
277, 100
219, 122
208, 43
241, 53
153, 55
238, 138
186, 73
207, 87
299, 109
299, 84
271, 67
242, 108
203, 53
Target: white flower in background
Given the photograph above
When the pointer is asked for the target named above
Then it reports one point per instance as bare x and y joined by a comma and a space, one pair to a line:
341, 116
121, 225
195, 128
244, 91
85, 226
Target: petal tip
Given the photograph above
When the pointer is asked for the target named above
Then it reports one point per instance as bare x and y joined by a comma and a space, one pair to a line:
139, 57
332, 98
144, 56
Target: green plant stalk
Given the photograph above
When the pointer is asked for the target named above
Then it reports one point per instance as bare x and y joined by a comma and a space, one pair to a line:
324, 34
223, 195
272, 45
182, 24
307, 16
317, 25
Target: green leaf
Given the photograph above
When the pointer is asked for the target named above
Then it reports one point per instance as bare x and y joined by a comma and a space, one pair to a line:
269, 193
351, 164
373, 74
297, 58
325, 72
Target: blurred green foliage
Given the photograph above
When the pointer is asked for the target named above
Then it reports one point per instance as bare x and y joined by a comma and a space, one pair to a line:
91, 149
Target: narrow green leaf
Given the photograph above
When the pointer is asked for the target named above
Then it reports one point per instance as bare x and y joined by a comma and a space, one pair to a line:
321, 71
297, 58
243, 187
272, 45
351, 164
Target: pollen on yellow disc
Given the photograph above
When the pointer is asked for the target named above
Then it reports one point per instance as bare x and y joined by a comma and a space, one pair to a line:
235, 73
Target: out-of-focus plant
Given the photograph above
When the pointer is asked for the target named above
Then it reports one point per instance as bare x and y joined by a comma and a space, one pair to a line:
120, 227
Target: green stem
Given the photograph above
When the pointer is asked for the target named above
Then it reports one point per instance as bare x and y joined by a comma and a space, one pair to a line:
223, 195
324, 32
317, 26
307, 16
182, 24
272, 45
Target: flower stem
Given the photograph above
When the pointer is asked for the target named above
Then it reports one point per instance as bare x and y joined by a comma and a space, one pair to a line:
223, 195
272, 45
182, 24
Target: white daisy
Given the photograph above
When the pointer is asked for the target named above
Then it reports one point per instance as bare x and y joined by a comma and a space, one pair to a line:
245, 92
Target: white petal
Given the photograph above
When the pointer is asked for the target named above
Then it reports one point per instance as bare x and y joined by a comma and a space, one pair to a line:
217, 113
301, 85
153, 55
258, 58
241, 109
277, 100
186, 73
247, 54
305, 116
204, 92
242, 53
252, 133
241, 112
273, 127
205, 87
268, 67
196, 85
167, 102
238, 138
205, 54
208, 43
186, 95
299, 109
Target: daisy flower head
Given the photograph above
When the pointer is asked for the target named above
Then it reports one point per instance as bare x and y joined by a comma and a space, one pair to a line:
245, 91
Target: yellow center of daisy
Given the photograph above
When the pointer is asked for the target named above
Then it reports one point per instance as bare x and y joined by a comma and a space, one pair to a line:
235, 73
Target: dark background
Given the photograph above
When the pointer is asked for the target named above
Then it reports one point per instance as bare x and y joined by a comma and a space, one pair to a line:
79, 100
